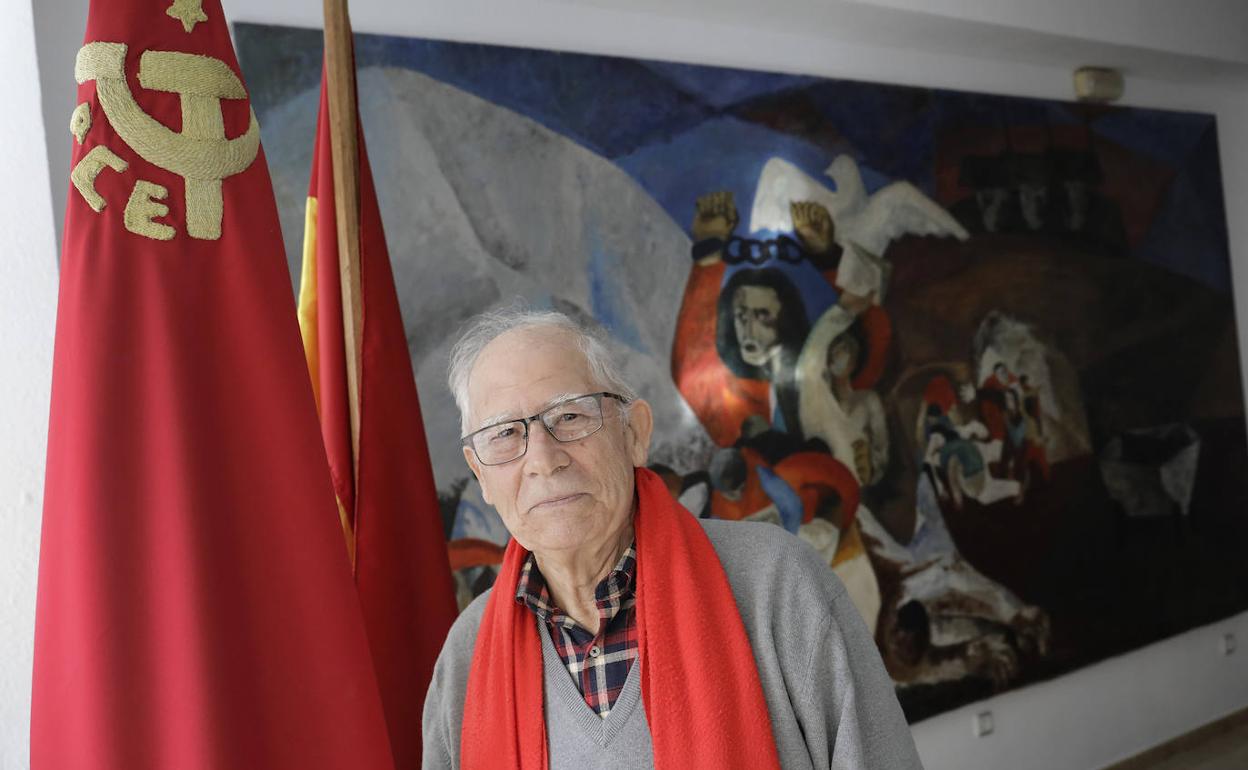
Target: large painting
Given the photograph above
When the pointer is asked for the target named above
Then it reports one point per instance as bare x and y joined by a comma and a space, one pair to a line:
980, 352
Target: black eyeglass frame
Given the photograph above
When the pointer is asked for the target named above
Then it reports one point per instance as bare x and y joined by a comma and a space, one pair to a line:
527, 421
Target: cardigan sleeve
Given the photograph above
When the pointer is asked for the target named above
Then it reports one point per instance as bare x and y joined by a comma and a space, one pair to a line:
436, 721
442, 721
852, 717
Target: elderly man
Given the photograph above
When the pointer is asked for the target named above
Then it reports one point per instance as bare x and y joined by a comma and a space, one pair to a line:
622, 632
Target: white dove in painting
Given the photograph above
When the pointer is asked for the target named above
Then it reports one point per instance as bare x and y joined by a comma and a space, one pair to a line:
864, 224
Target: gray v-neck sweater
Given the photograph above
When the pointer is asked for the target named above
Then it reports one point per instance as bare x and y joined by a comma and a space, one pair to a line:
621, 740
830, 701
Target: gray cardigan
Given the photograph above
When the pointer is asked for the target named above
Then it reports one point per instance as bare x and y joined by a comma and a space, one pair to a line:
831, 703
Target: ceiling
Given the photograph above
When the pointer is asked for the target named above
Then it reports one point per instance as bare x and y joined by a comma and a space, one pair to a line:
1179, 41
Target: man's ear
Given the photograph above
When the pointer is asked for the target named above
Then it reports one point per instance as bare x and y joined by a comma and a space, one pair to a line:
640, 427
470, 457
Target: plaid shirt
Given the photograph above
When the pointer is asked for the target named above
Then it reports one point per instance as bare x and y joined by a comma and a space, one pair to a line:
599, 663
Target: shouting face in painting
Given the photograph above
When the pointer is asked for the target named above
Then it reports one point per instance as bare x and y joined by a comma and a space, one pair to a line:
761, 316
755, 316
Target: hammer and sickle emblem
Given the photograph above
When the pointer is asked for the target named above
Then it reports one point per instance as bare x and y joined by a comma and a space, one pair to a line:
200, 154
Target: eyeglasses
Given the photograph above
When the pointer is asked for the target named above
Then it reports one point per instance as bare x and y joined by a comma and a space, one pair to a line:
569, 420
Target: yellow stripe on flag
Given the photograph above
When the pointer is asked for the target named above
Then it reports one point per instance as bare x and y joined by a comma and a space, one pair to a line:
307, 329
307, 302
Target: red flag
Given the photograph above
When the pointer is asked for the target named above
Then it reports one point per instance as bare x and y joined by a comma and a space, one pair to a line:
386, 492
195, 608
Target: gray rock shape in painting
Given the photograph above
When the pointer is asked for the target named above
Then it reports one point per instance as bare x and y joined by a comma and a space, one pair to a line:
483, 206
477, 519
1152, 471
1001, 338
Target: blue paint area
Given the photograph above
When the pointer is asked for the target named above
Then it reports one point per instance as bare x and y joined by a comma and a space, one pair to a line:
610, 105
723, 87
892, 126
605, 297
1169, 138
786, 500
1187, 229
721, 154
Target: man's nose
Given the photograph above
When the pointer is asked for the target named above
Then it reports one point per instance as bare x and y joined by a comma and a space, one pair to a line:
545, 455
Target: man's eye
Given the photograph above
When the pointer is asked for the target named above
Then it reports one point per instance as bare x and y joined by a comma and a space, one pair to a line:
570, 416
502, 434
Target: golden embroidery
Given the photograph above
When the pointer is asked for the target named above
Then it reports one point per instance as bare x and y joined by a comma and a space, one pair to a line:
200, 154
143, 207
80, 122
189, 12
84, 174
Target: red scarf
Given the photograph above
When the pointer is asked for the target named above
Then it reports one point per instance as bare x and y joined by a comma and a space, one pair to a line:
684, 599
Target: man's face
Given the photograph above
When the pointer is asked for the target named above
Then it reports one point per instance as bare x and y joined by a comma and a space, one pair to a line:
755, 314
557, 497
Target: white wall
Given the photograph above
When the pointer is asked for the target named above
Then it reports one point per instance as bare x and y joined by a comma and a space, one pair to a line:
59, 26
1212, 28
1192, 60
28, 299
1100, 714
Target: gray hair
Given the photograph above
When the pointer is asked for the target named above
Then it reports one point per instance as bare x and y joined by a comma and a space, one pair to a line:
485, 328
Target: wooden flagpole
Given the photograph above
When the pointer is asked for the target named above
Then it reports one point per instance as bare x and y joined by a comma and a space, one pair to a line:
340, 84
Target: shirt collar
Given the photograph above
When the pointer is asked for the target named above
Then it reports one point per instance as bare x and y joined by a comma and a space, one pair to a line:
609, 594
